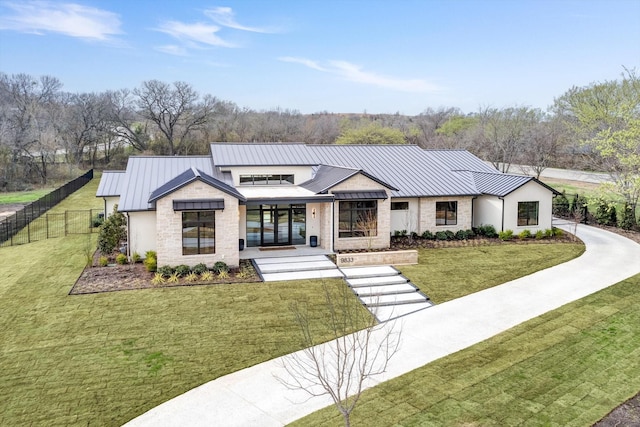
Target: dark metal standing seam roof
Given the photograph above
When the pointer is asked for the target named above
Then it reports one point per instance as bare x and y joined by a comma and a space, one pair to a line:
405, 167
147, 173
253, 154
459, 160
327, 177
110, 183
498, 184
360, 195
189, 176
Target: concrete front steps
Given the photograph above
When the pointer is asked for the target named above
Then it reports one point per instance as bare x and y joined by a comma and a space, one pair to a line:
385, 292
296, 267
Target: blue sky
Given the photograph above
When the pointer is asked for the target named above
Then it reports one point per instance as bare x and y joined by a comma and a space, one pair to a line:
338, 56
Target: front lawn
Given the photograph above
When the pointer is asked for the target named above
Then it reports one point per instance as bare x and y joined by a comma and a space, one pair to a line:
102, 359
568, 367
448, 273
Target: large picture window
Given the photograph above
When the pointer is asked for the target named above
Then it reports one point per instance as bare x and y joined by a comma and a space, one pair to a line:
446, 213
527, 213
358, 218
198, 232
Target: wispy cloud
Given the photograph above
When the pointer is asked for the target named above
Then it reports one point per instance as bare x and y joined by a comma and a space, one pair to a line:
172, 49
194, 34
226, 17
355, 73
71, 19
200, 35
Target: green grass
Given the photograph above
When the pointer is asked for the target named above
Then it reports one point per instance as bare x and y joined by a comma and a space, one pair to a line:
569, 367
103, 359
23, 196
449, 273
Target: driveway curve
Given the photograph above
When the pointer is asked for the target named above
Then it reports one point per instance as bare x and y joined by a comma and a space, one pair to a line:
254, 396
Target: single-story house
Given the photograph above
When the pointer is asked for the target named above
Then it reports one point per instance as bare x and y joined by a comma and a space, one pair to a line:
193, 209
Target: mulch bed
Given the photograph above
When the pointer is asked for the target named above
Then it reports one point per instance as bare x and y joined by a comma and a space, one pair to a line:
96, 279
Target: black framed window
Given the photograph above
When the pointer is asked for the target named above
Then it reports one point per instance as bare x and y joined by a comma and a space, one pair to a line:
358, 218
198, 232
399, 206
528, 213
273, 179
446, 213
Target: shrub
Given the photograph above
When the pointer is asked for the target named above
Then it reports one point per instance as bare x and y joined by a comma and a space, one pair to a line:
151, 264
557, 232
103, 261
561, 205
505, 235
97, 220
151, 254
121, 259
414, 235
223, 274
548, 232
200, 268
135, 258
461, 235
441, 235
428, 235
628, 218
166, 270
220, 266
158, 279
539, 235
605, 213
450, 235
191, 277
524, 234
399, 233
470, 234
112, 231
243, 274
173, 278
182, 270
486, 230
206, 276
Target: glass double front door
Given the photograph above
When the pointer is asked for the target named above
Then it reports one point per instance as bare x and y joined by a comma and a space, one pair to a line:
276, 225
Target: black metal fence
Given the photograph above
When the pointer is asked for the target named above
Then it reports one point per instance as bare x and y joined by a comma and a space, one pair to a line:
26, 226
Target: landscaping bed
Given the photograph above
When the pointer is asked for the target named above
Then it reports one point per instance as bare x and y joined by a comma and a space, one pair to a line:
115, 277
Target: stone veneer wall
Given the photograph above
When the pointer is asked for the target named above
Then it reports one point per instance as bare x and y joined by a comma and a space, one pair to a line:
169, 228
382, 239
428, 214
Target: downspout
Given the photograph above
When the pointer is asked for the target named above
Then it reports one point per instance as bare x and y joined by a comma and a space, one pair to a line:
333, 231
473, 218
128, 236
502, 226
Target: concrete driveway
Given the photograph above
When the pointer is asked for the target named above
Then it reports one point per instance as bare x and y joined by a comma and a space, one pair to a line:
254, 396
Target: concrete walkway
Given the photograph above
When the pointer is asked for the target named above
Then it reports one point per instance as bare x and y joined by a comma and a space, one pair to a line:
254, 396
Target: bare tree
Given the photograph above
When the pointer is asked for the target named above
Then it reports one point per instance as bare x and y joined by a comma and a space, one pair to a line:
127, 126
25, 101
340, 368
176, 110
545, 141
503, 133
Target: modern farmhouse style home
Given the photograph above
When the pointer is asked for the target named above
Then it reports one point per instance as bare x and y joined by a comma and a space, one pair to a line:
209, 208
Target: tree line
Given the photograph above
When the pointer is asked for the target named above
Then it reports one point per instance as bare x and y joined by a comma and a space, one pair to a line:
594, 127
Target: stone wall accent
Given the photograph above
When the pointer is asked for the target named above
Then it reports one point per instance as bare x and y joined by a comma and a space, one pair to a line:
360, 182
428, 214
377, 258
169, 228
